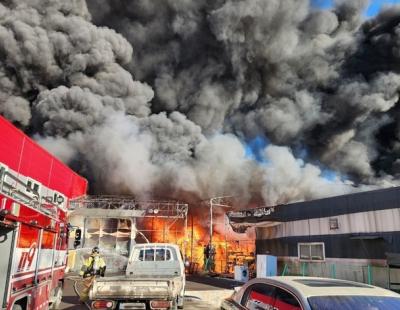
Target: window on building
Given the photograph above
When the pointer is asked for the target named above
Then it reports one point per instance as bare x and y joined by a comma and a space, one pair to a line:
333, 223
314, 251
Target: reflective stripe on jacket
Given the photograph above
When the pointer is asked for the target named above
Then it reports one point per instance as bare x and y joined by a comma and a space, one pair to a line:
92, 263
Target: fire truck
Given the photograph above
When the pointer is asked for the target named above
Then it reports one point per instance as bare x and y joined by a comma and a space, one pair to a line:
35, 190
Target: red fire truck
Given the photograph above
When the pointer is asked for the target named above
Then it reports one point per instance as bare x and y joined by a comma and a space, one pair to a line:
35, 189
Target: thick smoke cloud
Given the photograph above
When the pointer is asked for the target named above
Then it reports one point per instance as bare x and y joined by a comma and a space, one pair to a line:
286, 176
157, 98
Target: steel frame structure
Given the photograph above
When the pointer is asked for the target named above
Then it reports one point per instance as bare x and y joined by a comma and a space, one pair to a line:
153, 208
168, 210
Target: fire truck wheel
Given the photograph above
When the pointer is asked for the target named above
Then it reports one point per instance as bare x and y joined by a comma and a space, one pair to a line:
57, 300
17, 307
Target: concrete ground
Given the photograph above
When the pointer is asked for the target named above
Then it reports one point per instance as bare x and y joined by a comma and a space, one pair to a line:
201, 293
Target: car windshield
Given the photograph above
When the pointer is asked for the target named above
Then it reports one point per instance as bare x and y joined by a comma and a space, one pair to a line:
354, 303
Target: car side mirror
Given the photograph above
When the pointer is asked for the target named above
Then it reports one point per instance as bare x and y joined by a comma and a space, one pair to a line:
78, 237
236, 289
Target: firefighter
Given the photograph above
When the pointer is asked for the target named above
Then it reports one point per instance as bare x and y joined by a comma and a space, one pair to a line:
211, 259
92, 267
207, 253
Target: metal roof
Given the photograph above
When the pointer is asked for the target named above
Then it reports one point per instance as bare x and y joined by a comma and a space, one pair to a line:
380, 199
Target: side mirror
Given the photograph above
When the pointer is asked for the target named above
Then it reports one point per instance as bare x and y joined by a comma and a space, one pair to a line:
78, 237
187, 263
236, 289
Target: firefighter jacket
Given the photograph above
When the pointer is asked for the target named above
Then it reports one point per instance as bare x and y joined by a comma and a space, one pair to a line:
94, 265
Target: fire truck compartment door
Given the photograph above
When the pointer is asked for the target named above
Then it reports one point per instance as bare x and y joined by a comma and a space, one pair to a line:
6, 249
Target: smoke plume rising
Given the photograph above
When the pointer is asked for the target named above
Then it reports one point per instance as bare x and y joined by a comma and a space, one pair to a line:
160, 97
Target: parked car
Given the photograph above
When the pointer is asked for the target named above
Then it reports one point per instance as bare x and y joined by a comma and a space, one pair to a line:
307, 293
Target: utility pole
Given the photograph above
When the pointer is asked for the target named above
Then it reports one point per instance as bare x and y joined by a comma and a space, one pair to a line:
216, 202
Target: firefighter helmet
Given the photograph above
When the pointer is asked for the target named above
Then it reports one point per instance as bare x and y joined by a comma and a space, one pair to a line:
96, 250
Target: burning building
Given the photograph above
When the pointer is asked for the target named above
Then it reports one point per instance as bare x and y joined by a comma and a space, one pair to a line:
115, 223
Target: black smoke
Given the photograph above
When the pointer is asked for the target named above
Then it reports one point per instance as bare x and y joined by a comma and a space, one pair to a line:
159, 96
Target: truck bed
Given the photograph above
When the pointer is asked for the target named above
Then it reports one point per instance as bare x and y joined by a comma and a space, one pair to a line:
143, 287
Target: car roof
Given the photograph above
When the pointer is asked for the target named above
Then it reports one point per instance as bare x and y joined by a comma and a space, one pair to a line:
313, 286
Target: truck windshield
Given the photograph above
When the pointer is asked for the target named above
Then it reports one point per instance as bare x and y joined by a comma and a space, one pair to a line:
152, 254
354, 302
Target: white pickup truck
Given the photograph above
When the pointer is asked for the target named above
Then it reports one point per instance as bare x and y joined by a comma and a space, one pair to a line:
154, 279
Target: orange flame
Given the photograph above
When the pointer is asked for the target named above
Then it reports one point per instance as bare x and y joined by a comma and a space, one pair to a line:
229, 249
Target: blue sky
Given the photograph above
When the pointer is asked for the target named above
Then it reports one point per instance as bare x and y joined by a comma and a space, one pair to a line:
255, 148
373, 8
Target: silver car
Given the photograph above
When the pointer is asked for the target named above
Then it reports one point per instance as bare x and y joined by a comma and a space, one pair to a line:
307, 293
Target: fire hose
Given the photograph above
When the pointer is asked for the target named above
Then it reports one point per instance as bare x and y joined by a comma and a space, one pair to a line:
77, 279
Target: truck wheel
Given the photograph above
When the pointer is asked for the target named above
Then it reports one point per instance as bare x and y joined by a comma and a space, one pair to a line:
57, 298
17, 307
